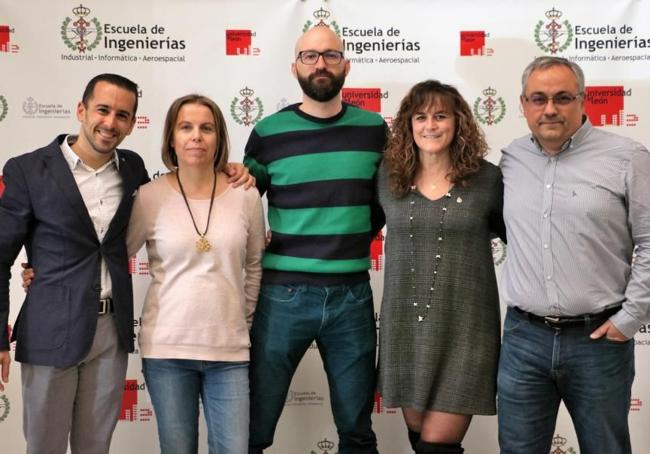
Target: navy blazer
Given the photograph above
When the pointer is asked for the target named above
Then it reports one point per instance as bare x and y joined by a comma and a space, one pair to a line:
42, 209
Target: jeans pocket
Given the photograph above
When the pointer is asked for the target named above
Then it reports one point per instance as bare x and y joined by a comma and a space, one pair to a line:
606, 340
280, 293
360, 293
512, 321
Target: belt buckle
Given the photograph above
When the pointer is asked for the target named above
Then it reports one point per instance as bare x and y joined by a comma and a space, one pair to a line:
551, 321
105, 306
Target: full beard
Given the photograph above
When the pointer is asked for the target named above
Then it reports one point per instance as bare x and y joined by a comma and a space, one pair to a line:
322, 92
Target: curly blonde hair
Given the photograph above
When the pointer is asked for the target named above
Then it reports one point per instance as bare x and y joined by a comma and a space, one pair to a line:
466, 150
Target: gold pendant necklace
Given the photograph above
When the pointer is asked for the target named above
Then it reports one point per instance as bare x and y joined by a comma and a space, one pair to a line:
202, 244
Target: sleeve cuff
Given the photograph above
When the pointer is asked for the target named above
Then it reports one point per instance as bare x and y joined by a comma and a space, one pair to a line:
625, 323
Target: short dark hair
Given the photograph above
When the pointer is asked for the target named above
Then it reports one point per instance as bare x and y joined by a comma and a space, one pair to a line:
113, 79
168, 153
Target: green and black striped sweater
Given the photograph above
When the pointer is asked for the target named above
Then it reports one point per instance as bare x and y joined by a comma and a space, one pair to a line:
319, 176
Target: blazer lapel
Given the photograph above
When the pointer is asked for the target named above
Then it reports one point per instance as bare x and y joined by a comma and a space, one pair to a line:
130, 183
64, 179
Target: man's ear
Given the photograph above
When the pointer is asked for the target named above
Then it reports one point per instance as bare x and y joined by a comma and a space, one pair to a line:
81, 110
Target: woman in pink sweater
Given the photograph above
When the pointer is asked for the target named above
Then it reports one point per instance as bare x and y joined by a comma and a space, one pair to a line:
204, 240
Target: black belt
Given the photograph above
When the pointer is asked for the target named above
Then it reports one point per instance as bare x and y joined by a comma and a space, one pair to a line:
105, 306
570, 321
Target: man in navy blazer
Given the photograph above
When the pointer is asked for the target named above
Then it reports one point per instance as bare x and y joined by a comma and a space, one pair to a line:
68, 204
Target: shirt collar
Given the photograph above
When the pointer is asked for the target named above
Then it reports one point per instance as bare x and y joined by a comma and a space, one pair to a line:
73, 159
572, 142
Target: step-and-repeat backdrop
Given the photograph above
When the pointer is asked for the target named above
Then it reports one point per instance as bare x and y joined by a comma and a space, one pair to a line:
239, 52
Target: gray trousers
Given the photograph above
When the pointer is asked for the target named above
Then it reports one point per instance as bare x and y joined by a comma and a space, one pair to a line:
81, 402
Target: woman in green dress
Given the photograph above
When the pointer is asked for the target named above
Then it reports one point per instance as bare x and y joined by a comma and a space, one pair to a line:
440, 322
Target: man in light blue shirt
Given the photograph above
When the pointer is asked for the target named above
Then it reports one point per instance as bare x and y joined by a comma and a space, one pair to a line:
576, 204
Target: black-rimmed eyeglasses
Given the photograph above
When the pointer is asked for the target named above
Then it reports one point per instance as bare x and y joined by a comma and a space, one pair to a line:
310, 57
559, 99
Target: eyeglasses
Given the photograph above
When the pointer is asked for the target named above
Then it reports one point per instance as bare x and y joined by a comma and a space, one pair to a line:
560, 99
310, 57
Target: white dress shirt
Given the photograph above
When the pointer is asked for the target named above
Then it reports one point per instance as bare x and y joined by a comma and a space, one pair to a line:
101, 191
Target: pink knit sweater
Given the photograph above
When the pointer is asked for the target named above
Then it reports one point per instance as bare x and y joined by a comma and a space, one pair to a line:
199, 305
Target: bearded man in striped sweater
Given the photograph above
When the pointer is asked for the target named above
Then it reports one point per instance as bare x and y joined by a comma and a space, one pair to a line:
316, 161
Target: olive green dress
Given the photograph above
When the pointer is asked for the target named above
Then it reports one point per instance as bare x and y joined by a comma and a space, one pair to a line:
448, 360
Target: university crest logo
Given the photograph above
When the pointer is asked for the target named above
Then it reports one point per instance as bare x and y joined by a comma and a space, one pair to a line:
325, 446
81, 34
4, 107
30, 106
489, 110
558, 446
553, 36
321, 18
498, 251
246, 111
5, 407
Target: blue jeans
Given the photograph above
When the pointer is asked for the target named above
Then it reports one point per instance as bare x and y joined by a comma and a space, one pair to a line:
540, 366
340, 319
175, 386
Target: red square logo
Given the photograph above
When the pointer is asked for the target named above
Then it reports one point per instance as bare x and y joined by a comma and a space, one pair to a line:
238, 42
377, 252
4, 38
472, 43
604, 105
364, 98
2, 186
129, 401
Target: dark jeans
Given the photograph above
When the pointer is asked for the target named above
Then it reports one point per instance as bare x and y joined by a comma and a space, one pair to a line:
340, 319
540, 366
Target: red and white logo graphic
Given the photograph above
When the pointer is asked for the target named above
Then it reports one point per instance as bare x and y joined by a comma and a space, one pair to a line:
364, 98
240, 42
141, 121
379, 405
636, 404
605, 105
130, 410
377, 253
472, 44
5, 40
138, 268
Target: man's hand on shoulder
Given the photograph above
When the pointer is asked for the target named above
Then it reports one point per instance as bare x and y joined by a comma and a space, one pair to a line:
238, 175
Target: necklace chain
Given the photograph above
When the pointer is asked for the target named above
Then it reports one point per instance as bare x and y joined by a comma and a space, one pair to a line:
202, 244
420, 311
439, 179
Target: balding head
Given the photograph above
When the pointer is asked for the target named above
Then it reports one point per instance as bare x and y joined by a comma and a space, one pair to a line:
318, 38
322, 78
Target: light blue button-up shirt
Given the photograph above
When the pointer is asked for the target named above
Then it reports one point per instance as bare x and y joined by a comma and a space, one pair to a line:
573, 221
